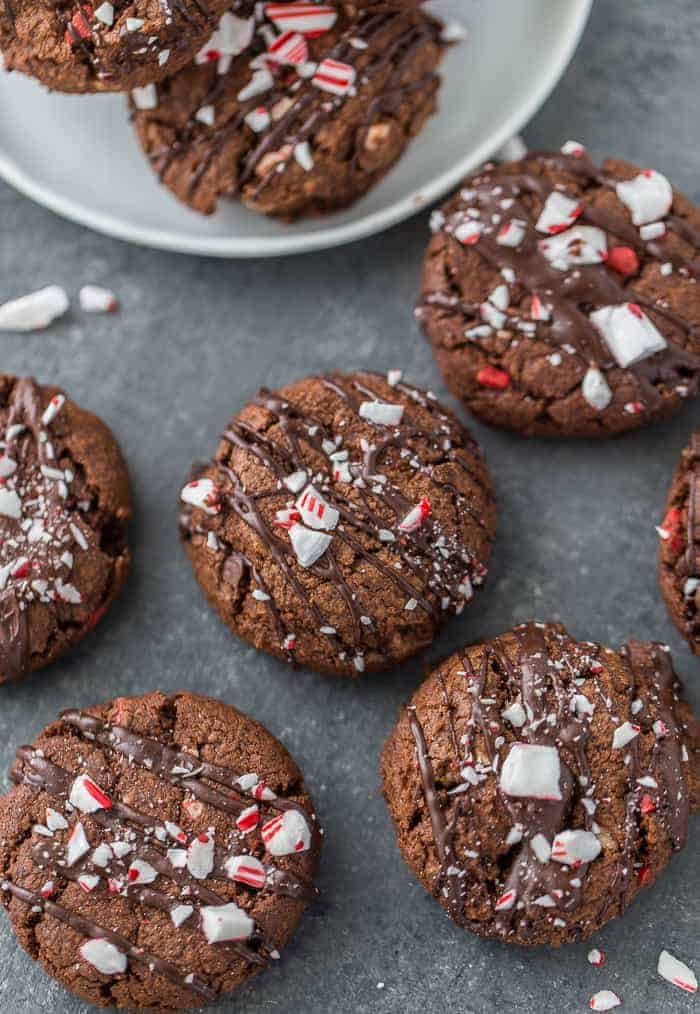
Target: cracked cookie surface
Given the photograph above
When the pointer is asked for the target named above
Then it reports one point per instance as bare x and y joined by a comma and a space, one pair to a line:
65, 503
344, 518
156, 851
537, 783
561, 297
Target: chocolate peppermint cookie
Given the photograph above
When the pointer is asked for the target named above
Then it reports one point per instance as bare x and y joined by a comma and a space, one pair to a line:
64, 507
105, 46
679, 549
155, 851
311, 114
343, 519
561, 297
537, 783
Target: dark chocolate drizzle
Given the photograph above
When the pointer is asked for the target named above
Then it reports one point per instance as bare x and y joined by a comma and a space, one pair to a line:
532, 678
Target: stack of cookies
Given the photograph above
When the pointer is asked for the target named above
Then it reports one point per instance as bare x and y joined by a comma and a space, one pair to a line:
292, 107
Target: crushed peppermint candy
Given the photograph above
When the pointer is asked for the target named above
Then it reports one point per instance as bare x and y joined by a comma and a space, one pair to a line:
35, 311
676, 972
104, 956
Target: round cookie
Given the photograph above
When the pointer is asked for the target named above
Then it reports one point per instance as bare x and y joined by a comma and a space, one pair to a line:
297, 123
537, 783
343, 519
105, 46
679, 547
155, 852
561, 297
64, 507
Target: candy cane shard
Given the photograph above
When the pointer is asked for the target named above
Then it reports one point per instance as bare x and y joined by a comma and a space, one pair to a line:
629, 334
649, 196
103, 956
531, 772
676, 972
35, 311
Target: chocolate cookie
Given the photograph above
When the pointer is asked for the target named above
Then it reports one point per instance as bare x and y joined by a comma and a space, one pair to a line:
106, 46
306, 119
679, 548
156, 851
342, 520
64, 507
537, 783
562, 298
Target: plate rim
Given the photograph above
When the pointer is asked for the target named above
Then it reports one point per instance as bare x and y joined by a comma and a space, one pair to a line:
338, 235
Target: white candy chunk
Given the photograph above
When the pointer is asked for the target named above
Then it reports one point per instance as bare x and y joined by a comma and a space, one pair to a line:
133, 24
531, 772
595, 389
177, 858
87, 796
512, 233
8, 466
67, 592
55, 821
103, 956
206, 114
541, 847
691, 586
514, 836
583, 244
233, 35
604, 1000
515, 714
226, 922
286, 833
500, 297
10, 503
675, 972
315, 512
102, 855
628, 333
200, 856
95, 299
145, 97
624, 734
245, 870
381, 413
308, 545
453, 32
295, 481
105, 14
648, 196
575, 847
581, 706
180, 914
302, 154
34, 311
141, 872
558, 213
201, 493
261, 81
77, 844
596, 957
468, 232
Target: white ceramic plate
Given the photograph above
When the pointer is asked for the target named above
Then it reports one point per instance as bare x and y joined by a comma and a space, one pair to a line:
77, 156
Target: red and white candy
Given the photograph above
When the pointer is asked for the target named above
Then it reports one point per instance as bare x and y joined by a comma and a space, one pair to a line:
181, 914
559, 212
381, 413
233, 35
103, 956
595, 389
95, 299
52, 409
77, 845
648, 196
10, 504
334, 77
286, 833
531, 772
624, 734
315, 512
628, 332
308, 545
225, 922
247, 820
512, 233
582, 244
596, 957
575, 847
141, 872
604, 1000
87, 796
200, 855
677, 973
202, 493
245, 870
34, 311
416, 517
311, 20
289, 48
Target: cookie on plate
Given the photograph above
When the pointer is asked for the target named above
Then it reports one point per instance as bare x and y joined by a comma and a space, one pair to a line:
156, 851
306, 119
342, 520
561, 297
65, 504
105, 46
537, 783
679, 548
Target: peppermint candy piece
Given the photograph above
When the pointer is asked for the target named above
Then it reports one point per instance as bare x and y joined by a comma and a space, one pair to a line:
382, 413
415, 518
102, 855
334, 77
506, 901
628, 332
675, 972
468, 233
595, 390
200, 855
531, 772
624, 734
296, 481
88, 882
245, 870
140, 872
286, 833
261, 81
315, 512
53, 408
512, 233
202, 493
87, 796
311, 20
145, 97
95, 299
233, 35
105, 14
258, 119
559, 212
10, 504
225, 922
515, 714
308, 545
55, 821
596, 957
175, 832
604, 1000
103, 956
303, 156
648, 196
575, 847
77, 845
289, 48
34, 311
541, 847
180, 914
247, 820
582, 244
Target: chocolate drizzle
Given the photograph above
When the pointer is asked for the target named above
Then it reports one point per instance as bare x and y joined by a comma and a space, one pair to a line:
148, 838
548, 691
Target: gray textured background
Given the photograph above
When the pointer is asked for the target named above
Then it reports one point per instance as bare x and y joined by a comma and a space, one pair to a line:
577, 542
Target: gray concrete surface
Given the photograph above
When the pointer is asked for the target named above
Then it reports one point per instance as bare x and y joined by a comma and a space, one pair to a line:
576, 542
